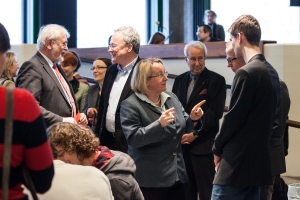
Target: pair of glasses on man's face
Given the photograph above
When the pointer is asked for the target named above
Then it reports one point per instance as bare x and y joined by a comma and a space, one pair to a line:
97, 68
229, 60
160, 75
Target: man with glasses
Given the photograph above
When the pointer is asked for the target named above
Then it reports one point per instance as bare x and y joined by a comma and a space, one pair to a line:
233, 62
191, 87
124, 48
242, 147
44, 78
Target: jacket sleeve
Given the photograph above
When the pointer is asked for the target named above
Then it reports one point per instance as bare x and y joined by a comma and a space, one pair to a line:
30, 79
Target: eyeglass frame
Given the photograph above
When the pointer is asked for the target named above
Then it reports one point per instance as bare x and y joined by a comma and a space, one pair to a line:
160, 75
113, 46
194, 60
229, 60
97, 68
65, 44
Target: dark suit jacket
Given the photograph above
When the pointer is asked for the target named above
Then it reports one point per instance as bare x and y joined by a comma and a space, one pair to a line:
156, 151
210, 87
36, 76
277, 147
218, 31
91, 97
244, 139
119, 141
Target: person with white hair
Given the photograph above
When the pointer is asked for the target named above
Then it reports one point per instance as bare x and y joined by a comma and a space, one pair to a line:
44, 78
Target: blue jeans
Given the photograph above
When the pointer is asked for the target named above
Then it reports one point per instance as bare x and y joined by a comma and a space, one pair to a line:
225, 192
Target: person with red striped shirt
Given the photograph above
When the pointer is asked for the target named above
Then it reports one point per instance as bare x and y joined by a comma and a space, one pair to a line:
30, 144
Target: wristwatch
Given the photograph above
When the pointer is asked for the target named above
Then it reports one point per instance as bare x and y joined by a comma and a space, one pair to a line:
195, 134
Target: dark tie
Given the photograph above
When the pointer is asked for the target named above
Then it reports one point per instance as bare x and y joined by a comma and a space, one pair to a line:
66, 88
190, 88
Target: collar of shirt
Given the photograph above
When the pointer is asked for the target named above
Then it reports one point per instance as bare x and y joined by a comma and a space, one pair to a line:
127, 68
50, 63
163, 98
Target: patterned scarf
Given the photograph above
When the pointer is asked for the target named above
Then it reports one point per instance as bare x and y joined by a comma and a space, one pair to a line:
102, 157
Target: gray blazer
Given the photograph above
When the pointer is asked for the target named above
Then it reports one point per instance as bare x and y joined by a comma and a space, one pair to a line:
156, 151
36, 76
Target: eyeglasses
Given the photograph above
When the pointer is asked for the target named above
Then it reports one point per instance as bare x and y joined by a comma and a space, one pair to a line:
97, 68
114, 46
194, 60
229, 60
160, 75
65, 44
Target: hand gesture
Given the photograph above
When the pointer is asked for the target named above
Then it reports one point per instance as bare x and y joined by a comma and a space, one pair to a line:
187, 138
167, 117
197, 112
83, 119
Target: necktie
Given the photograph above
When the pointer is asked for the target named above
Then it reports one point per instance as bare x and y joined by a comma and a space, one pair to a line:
190, 88
66, 88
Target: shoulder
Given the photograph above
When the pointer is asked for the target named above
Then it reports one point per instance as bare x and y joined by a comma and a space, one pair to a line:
83, 86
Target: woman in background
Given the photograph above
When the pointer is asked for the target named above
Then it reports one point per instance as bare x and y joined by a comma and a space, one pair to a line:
92, 100
69, 65
30, 144
10, 70
157, 38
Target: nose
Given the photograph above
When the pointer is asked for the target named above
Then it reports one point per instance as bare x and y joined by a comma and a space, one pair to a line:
229, 64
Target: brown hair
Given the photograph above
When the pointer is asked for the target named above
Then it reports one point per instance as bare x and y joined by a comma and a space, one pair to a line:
70, 59
157, 38
249, 26
10, 57
73, 138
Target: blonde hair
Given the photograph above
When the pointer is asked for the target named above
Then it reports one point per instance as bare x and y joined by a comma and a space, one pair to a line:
73, 138
141, 73
10, 58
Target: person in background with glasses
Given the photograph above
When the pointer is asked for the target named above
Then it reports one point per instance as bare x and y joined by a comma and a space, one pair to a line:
191, 87
70, 66
124, 48
153, 121
233, 62
99, 69
45, 79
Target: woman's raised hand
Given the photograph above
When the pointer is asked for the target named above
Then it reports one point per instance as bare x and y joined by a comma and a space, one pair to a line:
167, 117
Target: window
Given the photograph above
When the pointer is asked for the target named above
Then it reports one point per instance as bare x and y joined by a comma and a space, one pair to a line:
97, 20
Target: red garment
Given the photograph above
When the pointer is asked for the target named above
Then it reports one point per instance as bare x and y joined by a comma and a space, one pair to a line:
29, 144
103, 157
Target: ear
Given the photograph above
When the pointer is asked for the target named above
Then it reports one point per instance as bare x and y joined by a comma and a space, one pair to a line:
186, 60
240, 37
48, 43
130, 46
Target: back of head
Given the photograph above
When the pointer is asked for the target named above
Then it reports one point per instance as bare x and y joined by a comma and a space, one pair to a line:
249, 26
50, 31
130, 36
4, 40
107, 61
70, 60
157, 38
195, 44
10, 58
79, 61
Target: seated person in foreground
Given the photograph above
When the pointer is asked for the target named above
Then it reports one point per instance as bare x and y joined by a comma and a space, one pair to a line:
76, 182
76, 144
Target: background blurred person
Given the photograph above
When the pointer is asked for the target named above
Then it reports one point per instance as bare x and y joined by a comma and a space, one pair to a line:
10, 70
70, 66
153, 122
92, 100
209, 18
30, 145
157, 38
76, 75
78, 145
204, 34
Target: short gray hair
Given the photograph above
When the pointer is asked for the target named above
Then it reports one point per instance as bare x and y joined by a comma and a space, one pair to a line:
50, 31
130, 36
195, 44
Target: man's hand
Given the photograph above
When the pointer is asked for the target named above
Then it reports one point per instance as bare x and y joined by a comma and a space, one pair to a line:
167, 117
83, 120
197, 112
91, 112
217, 161
187, 138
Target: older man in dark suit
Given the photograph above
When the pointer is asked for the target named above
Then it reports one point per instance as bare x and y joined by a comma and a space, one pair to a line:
192, 87
124, 48
44, 78
242, 147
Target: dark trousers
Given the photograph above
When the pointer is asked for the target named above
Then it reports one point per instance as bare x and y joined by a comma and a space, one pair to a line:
175, 192
201, 171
